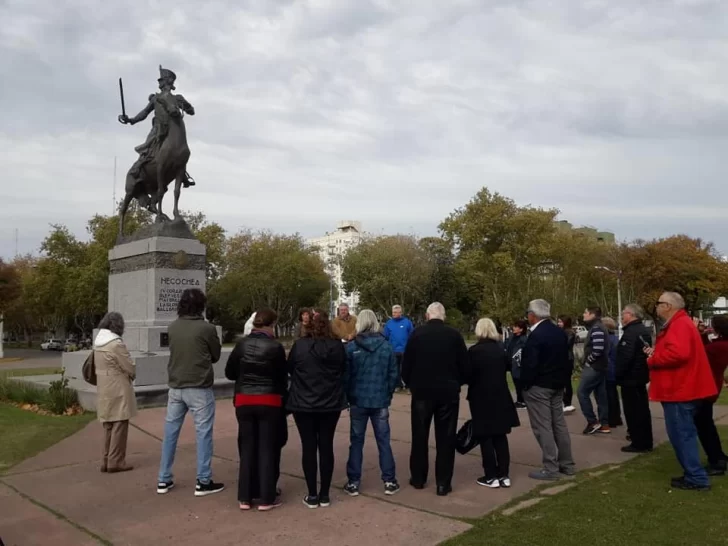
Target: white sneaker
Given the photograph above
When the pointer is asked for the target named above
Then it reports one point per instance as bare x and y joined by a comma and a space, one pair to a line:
569, 409
504, 482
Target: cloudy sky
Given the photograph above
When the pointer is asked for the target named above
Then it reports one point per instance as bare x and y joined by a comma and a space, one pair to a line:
389, 112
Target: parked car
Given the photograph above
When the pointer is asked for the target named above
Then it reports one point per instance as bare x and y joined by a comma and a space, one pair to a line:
581, 333
70, 345
51, 345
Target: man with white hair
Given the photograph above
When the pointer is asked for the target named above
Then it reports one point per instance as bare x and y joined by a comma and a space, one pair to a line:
545, 369
680, 377
433, 367
398, 330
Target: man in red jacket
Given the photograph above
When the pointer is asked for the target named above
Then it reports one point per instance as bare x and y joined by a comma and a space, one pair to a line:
680, 377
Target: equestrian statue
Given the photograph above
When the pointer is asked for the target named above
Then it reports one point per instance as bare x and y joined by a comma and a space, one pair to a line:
163, 156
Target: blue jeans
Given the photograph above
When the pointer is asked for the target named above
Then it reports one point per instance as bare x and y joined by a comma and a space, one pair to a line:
201, 402
680, 424
593, 381
380, 424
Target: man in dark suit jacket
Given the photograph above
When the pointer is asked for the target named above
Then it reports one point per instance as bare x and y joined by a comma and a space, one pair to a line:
632, 375
433, 367
545, 369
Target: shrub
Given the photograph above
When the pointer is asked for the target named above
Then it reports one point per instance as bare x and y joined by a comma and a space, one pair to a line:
21, 392
59, 396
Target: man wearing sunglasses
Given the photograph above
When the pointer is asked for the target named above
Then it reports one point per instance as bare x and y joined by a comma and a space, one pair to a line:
680, 377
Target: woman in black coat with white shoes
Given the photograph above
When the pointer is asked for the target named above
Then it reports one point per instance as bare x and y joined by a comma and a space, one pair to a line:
491, 404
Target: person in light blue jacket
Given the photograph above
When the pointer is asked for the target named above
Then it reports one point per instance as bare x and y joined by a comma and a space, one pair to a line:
398, 330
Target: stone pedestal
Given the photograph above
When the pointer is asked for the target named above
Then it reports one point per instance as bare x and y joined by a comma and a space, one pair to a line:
146, 280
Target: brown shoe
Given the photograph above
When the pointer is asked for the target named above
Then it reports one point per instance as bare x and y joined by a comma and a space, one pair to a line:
605, 430
124, 468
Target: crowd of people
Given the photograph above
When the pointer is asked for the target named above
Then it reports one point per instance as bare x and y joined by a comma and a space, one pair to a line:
353, 363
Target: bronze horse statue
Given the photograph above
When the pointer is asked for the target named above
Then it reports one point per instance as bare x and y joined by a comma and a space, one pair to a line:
164, 156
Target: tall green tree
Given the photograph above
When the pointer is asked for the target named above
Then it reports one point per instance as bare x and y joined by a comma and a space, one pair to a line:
266, 269
387, 271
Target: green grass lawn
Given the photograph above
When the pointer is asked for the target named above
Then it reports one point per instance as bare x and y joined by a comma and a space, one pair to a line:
626, 507
25, 433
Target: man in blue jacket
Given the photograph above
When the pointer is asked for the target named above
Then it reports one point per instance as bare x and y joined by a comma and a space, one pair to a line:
398, 330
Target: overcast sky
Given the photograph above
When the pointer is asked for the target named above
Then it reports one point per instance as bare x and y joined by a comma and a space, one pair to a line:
393, 113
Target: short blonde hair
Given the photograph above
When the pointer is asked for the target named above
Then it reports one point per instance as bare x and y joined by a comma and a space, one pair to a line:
609, 324
485, 329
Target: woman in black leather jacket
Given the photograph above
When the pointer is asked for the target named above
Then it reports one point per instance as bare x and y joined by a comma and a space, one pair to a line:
258, 367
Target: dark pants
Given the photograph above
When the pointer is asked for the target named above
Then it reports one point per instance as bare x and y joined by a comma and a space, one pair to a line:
568, 393
115, 437
680, 425
638, 416
398, 357
282, 441
445, 415
519, 389
593, 381
259, 449
614, 408
317, 448
496, 456
708, 434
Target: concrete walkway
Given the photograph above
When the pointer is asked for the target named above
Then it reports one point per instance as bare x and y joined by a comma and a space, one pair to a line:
61, 494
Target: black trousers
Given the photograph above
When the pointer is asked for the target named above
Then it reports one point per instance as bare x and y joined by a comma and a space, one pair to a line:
614, 408
568, 393
445, 415
638, 416
317, 442
496, 456
259, 448
708, 434
282, 441
519, 389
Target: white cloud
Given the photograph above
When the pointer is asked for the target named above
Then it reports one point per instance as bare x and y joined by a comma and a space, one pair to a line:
390, 112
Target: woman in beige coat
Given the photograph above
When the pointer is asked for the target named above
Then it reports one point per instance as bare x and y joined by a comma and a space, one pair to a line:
115, 400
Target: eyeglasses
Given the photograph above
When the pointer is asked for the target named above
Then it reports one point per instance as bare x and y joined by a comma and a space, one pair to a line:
663, 303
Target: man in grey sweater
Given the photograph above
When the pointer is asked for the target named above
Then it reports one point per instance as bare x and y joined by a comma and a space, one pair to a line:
194, 347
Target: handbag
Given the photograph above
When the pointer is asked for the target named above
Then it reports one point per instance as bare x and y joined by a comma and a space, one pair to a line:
465, 441
89, 369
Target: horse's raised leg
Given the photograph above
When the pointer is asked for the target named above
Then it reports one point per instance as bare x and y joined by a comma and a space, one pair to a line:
177, 190
122, 212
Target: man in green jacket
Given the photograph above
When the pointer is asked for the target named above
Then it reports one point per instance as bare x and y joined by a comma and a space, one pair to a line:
194, 347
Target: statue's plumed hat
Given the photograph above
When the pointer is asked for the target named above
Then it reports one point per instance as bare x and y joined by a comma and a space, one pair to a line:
166, 74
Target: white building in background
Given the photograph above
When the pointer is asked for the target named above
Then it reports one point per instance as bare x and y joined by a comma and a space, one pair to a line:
332, 248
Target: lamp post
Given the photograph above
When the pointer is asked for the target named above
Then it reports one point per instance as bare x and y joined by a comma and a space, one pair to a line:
618, 274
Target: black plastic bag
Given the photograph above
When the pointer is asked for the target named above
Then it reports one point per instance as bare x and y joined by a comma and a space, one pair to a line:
465, 441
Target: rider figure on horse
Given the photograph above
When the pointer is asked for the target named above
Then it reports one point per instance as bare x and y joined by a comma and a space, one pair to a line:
164, 105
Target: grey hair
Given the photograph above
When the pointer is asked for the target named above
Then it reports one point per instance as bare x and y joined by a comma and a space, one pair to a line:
114, 322
635, 310
396, 308
540, 308
343, 304
436, 310
674, 299
486, 329
366, 321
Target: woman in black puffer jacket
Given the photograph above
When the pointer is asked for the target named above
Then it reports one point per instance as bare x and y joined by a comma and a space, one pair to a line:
317, 365
258, 367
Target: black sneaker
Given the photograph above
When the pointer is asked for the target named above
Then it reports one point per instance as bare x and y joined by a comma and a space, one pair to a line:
591, 428
324, 501
488, 482
209, 488
682, 483
352, 489
520, 405
164, 487
391, 488
310, 502
416, 485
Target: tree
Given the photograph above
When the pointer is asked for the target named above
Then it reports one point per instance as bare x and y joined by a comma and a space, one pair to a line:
266, 269
387, 271
501, 252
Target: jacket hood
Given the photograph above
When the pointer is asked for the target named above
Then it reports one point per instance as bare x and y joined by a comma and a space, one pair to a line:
370, 342
104, 337
321, 347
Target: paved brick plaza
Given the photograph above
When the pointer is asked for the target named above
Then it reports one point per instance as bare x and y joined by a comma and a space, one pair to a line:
124, 509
